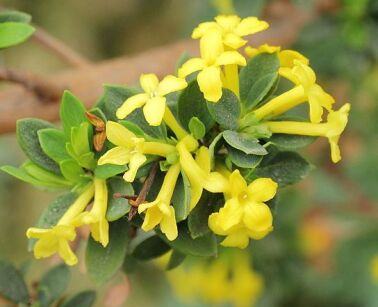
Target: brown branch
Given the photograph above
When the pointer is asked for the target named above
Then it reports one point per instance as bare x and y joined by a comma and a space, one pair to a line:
43, 88
58, 47
87, 82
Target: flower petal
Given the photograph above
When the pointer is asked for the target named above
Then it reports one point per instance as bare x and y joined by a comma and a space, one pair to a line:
210, 83
119, 135
66, 253
131, 104
231, 57
228, 22
168, 225
258, 217
238, 238
191, 66
214, 224
237, 184
287, 58
203, 159
204, 27
230, 215
171, 84
149, 83
136, 161
251, 25
117, 155
154, 110
305, 75
233, 41
262, 189
211, 46
152, 218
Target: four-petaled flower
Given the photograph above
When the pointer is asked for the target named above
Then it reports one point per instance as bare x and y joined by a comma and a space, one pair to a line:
153, 99
209, 64
244, 215
232, 29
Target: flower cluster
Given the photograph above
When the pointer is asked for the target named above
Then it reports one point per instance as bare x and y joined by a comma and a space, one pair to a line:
216, 130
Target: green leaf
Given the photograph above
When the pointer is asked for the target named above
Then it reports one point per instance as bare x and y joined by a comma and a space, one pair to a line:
137, 117
241, 159
152, 247
191, 103
53, 284
175, 260
197, 128
285, 168
214, 146
44, 176
257, 78
53, 143
205, 246
83, 299
79, 139
14, 16
12, 284
14, 33
198, 218
118, 207
291, 142
226, 111
134, 128
53, 212
244, 142
27, 136
71, 170
181, 198
72, 113
106, 171
103, 262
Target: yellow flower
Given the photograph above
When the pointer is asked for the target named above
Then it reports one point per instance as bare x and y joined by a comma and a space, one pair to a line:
374, 268
130, 149
160, 211
305, 90
332, 129
286, 57
153, 98
199, 173
96, 217
55, 240
244, 215
232, 29
212, 58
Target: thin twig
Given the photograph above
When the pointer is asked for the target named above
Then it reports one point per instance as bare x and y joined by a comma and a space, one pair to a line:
64, 52
144, 191
42, 87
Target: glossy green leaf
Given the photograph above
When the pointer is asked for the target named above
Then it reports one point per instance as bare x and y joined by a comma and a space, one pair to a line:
285, 168
198, 218
243, 142
103, 262
150, 248
291, 142
106, 171
82, 299
72, 113
14, 16
205, 246
241, 159
197, 128
71, 170
53, 143
191, 103
226, 111
53, 284
27, 136
118, 207
12, 284
257, 78
79, 139
181, 198
53, 212
175, 260
14, 33
44, 176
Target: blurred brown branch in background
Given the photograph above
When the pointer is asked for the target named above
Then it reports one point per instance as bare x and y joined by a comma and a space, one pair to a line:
86, 80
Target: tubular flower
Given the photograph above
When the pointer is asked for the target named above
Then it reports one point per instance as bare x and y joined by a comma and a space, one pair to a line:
232, 28
160, 211
286, 57
305, 90
55, 240
212, 58
96, 217
198, 172
332, 129
153, 98
244, 215
130, 149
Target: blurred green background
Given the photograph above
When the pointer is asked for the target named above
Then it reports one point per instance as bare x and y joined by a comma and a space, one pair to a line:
326, 228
